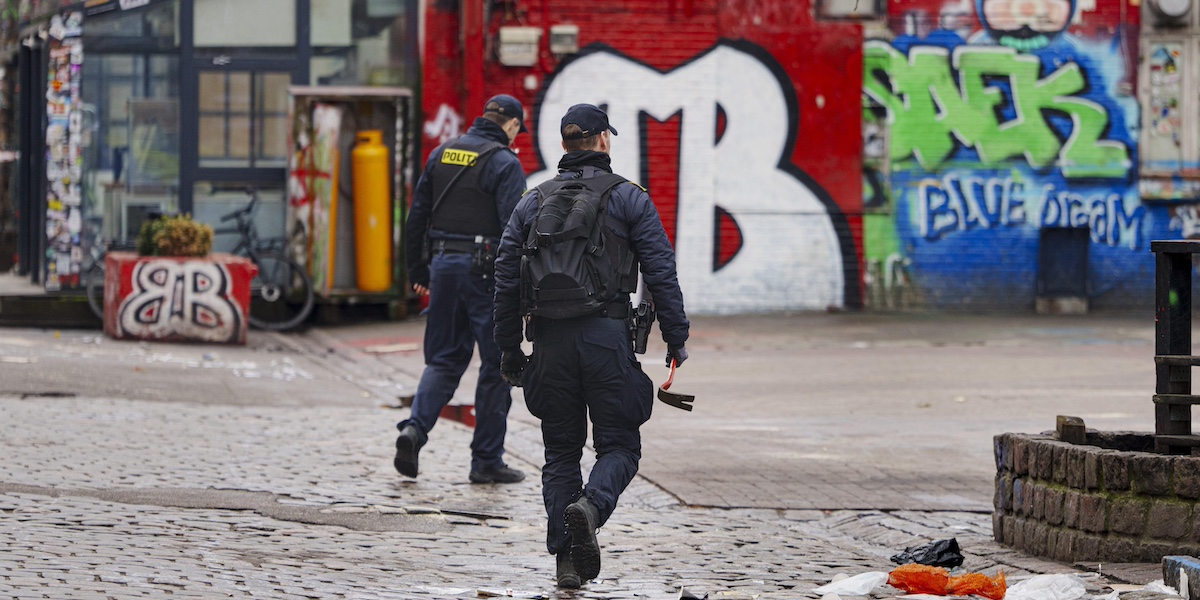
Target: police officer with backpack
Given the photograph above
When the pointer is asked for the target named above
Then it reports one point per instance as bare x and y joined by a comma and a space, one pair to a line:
460, 205
583, 365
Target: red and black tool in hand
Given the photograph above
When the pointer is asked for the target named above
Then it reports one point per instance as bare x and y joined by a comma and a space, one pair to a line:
681, 401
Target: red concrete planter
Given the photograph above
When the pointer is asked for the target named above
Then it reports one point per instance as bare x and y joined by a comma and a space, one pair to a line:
177, 299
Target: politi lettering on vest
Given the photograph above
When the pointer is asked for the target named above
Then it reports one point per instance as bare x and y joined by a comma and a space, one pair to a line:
462, 158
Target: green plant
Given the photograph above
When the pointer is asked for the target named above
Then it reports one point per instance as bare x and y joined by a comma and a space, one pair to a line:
175, 236
145, 238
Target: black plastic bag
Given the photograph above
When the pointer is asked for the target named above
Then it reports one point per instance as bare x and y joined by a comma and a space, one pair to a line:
942, 553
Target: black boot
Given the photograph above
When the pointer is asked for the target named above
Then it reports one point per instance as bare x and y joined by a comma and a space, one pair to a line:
501, 474
582, 520
408, 445
567, 577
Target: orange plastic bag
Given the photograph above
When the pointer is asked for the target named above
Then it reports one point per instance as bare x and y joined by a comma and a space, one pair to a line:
920, 579
979, 585
924, 579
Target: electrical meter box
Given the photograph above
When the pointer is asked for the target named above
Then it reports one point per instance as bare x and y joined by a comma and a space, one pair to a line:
564, 39
519, 46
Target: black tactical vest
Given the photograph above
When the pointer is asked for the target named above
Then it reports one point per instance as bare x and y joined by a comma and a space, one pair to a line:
465, 209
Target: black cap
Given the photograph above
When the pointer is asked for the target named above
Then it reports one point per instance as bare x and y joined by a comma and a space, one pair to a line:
589, 118
508, 106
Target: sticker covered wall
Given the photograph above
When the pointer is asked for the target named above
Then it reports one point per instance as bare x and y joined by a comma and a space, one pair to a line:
1005, 118
64, 152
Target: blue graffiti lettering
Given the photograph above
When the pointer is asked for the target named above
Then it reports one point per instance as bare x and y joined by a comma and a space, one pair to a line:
1102, 213
958, 203
963, 201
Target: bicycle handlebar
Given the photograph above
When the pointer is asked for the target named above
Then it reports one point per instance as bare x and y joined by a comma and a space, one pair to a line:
241, 212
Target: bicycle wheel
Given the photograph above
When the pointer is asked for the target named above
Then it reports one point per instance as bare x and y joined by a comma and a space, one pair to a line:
93, 283
281, 295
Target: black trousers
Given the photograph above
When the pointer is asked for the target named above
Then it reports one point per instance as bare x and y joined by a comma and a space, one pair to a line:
585, 369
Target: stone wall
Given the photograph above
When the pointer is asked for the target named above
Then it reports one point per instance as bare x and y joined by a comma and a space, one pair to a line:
1110, 500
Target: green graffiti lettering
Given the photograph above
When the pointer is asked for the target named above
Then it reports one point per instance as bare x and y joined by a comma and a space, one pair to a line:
1028, 133
933, 99
1085, 153
917, 84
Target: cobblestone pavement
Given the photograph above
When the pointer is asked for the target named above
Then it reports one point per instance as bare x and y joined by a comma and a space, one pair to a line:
857, 411
168, 471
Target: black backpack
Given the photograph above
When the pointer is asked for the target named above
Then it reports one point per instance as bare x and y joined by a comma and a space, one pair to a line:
572, 264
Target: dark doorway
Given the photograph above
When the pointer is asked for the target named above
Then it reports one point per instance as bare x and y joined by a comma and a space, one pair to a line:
1063, 262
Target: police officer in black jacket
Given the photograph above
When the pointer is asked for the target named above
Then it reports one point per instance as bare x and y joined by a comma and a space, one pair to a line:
461, 203
585, 366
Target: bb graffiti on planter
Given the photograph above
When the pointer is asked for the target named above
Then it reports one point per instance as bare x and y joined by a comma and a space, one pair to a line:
168, 298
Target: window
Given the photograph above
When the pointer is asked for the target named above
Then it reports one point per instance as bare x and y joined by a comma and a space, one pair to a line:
364, 42
243, 118
155, 26
129, 89
243, 23
110, 83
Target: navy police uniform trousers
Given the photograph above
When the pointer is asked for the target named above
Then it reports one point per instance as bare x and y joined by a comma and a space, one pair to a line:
459, 317
579, 367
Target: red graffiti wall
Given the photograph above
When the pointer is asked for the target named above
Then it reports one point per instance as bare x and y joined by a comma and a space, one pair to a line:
670, 45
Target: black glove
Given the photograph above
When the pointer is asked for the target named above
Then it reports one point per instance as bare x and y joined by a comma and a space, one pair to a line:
679, 353
512, 364
419, 276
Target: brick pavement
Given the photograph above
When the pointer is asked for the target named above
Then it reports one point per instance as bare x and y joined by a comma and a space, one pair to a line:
270, 476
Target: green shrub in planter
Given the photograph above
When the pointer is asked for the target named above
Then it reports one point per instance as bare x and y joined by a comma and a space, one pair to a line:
175, 236
145, 238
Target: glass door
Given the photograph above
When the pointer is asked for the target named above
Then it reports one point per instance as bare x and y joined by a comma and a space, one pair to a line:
241, 140
235, 106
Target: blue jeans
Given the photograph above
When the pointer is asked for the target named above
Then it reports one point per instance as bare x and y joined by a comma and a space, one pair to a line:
460, 316
584, 368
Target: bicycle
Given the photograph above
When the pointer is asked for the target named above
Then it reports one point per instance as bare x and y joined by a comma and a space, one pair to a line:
93, 278
281, 294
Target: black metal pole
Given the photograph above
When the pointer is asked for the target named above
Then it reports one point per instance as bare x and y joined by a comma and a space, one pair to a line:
1173, 331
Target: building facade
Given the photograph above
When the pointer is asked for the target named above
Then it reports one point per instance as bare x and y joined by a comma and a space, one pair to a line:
898, 154
804, 155
115, 109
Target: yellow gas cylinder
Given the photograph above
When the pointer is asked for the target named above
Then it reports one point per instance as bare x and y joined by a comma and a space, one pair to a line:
372, 212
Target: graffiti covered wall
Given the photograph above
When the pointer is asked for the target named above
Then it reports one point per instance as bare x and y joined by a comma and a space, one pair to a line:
740, 118
785, 184
991, 122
